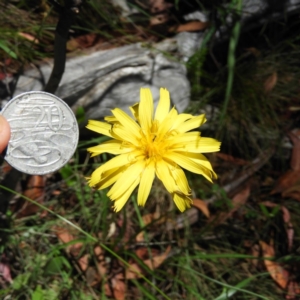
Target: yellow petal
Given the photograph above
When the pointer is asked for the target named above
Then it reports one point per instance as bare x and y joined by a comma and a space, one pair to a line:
146, 109
182, 201
105, 170
196, 145
111, 119
126, 179
193, 123
180, 119
163, 174
147, 178
119, 132
166, 124
163, 106
135, 110
96, 176
120, 161
120, 202
110, 177
208, 145
181, 140
127, 122
181, 180
189, 164
112, 147
100, 127
199, 159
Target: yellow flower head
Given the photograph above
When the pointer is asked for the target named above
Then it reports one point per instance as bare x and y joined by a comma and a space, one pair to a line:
151, 144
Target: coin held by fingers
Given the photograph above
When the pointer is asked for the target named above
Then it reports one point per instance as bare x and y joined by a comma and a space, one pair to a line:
44, 133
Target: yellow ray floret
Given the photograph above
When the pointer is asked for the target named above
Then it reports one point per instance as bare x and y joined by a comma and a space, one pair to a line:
151, 144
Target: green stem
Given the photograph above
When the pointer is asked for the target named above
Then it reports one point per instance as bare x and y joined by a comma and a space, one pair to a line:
231, 59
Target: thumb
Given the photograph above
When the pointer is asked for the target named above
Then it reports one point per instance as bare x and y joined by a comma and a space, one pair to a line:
4, 133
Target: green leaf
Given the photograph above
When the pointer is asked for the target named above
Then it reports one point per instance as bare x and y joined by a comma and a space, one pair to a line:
38, 294
67, 173
229, 292
56, 265
80, 114
4, 47
20, 281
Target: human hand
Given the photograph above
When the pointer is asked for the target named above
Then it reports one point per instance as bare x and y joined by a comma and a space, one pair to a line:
4, 133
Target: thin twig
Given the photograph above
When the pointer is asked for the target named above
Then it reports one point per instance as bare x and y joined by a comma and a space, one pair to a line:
256, 164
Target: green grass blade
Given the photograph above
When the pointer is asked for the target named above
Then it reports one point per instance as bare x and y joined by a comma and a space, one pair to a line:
231, 59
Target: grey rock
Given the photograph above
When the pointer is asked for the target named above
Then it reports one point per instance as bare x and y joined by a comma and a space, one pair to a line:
103, 80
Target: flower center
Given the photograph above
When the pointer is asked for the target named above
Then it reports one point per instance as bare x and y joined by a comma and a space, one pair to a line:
154, 144
153, 149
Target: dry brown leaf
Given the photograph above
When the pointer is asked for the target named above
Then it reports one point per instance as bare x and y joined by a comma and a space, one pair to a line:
231, 159
287, 220
83, 41
292, 192
56, 193
159, 19
277, 272
29, 37
288, 184
192, 26
241, 198
157, 6
135, 271
117, 287
36, 191
289, 227
127, 229
255, 252
254, 51
293, 291
237, 201
5, 167
270, 82
202, 206
285, 214
101, 262
92, 277
147, 219
295, 159
142, 253
65, 236
83, 262
287, 181
140, 237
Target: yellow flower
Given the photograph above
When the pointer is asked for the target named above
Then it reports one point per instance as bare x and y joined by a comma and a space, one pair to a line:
150, 145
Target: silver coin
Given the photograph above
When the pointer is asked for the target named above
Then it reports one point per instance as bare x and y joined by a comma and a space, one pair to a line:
44, 133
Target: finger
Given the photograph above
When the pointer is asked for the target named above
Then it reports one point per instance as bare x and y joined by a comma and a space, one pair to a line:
4, 133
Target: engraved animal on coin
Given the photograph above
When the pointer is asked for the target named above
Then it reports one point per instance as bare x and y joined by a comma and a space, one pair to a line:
44, 132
